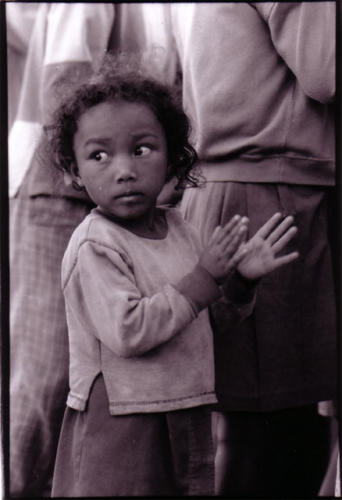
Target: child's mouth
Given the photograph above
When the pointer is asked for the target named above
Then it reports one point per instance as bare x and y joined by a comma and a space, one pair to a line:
130, 195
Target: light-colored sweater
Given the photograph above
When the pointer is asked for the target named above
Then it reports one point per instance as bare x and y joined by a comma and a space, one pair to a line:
129, 318
258, 83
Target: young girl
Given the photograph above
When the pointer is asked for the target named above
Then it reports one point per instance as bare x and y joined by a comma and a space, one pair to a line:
136, 292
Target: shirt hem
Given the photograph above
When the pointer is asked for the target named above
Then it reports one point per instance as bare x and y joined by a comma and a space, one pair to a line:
162, 406
280, 170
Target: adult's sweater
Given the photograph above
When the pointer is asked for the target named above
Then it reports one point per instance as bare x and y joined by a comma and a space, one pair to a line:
259, 82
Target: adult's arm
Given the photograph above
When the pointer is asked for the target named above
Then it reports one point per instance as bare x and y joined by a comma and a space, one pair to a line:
65, 37
303, 33
77, 38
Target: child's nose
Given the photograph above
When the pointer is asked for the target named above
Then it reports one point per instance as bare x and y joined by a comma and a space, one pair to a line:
124, 170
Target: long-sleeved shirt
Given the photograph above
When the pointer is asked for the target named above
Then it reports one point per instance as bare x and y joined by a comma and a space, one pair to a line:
258, 84
129, 319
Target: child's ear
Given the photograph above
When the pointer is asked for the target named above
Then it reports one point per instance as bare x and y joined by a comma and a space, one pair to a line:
72, 177
67, 178
169, 173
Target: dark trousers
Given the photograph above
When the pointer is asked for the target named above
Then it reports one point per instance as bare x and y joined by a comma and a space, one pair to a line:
274, 454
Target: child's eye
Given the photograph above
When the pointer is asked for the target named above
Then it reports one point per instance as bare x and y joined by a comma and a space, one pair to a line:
142, 150
99, 156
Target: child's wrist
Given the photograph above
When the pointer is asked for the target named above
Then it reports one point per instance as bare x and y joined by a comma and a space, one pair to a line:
238, 288
200, 287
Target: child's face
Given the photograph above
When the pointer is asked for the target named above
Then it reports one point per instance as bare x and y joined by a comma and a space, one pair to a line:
121, 155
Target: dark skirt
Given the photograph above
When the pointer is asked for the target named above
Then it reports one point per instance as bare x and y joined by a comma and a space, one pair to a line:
284, 354
133, 455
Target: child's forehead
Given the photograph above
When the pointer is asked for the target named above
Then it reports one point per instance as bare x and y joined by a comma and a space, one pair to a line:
122, 103
120, 110
118, 116
119, 107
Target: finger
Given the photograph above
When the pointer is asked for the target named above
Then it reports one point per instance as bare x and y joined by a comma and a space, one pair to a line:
215, 235
285, 259
220, 232
242, 223
283, 241
237, 234
280, 229
230, 244
229, 227
265, 230
237, 257
244, 235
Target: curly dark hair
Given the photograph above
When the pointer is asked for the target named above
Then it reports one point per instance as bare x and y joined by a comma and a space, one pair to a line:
123, 78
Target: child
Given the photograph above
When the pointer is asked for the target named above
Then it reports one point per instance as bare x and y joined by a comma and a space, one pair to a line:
136, 291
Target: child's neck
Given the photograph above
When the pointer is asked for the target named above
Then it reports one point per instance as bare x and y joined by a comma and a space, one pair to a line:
153, 226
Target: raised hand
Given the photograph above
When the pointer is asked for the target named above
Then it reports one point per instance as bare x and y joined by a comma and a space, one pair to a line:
223, 251
261, 250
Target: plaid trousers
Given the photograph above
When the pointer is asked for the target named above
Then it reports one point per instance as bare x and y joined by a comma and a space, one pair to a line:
40, 228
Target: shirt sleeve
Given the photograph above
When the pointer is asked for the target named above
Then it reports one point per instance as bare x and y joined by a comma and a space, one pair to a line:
85, 29
303, 34
66, 39
19, 23
102, 294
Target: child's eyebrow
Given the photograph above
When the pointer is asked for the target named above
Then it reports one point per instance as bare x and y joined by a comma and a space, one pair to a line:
97, 140
141, 135
103, 141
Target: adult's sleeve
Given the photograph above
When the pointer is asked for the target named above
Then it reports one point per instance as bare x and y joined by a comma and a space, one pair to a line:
76, 40
303, 34
101, 293
19, 23
66, 38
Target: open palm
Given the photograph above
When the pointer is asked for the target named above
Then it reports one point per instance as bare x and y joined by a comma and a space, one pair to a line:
261, 250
